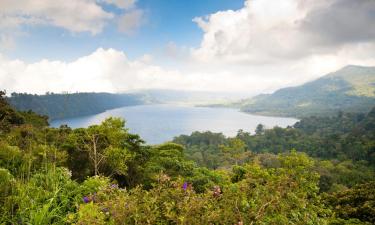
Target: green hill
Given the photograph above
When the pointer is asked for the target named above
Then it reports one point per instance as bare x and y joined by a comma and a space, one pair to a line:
57, 106
350, 89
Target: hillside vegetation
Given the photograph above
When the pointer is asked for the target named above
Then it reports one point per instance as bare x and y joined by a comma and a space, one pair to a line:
105, 175
351, 89
58, 106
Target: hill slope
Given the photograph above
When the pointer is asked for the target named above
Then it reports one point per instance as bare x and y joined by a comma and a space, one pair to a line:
350, 89
57, 106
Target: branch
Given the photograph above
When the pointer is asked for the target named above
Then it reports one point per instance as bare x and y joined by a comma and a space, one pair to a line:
261, 210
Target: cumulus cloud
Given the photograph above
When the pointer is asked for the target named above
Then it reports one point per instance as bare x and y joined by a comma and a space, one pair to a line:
103, 70
341, 22
263, 46
131, 17
175, 52
266, 31
73, 15
110, 70
274, 44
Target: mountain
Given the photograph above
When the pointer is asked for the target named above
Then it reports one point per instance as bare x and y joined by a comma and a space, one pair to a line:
57, 106
350, 89
169, 96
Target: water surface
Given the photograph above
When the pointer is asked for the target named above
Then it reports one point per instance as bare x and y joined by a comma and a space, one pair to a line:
159, 123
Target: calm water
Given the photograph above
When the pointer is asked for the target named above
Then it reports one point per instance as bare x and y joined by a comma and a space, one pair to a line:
159, 123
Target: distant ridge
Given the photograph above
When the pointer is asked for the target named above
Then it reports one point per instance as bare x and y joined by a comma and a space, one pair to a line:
58, 106
350, 89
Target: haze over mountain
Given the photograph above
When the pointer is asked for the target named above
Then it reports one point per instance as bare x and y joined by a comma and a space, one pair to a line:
350, 89
168, 96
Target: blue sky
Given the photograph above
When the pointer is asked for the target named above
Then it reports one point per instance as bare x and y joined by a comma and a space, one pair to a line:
247, 46
165, 21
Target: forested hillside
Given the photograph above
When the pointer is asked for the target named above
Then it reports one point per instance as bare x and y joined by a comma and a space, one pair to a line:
351, 89
105, 175
343, 146
57, 106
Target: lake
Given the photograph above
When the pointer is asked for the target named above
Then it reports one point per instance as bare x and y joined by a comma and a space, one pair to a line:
159, 123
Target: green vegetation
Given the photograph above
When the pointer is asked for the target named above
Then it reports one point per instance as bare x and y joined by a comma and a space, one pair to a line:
58, 106
105, 175
342, 146
351, 89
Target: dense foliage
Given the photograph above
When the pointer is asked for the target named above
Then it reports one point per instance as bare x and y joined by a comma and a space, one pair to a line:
57, 106
105, 175
350, 89
343, 147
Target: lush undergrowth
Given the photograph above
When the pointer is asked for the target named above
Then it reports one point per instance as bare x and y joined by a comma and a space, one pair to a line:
105, 175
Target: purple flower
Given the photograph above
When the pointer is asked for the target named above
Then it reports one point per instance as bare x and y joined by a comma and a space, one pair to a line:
86, 199
105, 210
114, 186
184, 186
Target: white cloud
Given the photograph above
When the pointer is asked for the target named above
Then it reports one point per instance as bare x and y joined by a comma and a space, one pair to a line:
146, 58
103, 70
260, 32
7, 42
130, 21
175, 52
280, 43
73, 15
263, 46
266, 31
110, 70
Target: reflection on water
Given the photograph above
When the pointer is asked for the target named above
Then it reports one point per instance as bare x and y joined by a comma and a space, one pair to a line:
159, 123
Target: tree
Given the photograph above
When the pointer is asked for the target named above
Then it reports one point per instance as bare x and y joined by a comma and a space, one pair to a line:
357, 202
259, 129
96, 140
234, 150
116, 160
8, 116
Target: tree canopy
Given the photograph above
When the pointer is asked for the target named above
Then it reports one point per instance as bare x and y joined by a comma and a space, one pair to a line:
321, 171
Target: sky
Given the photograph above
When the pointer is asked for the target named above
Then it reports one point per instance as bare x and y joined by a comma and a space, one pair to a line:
248, 46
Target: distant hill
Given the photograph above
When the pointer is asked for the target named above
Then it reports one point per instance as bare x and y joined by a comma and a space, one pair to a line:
350, 89
190, 97
57, 106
